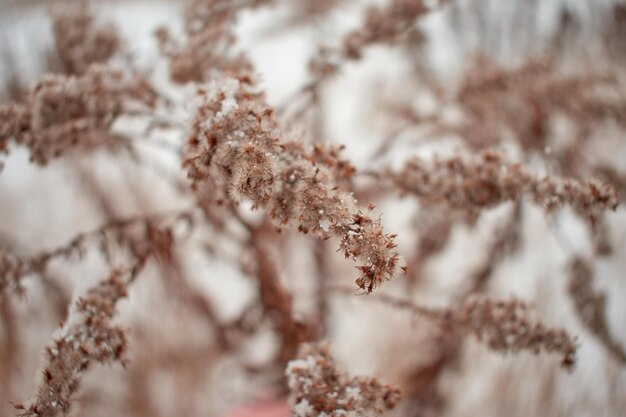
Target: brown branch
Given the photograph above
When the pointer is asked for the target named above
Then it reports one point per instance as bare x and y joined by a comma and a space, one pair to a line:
591, 307
275, 298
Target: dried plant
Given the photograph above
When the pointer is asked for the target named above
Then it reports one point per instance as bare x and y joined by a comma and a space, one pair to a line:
524, 99
91, 340
79, 43
224, 212
10, 271
381, 25
385, 25
66, 112
210, 41
319, 388
591, 306
505, 326
489, 180
233, 139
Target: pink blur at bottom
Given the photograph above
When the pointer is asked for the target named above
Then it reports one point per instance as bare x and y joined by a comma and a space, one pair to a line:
264, 409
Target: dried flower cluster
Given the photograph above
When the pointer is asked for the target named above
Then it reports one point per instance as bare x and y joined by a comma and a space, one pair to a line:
79, 42
14, 120
318, 388
93, 339
382, 25
66, 112
525, 99
11, 268
210, 41
505, 327
488, 180
234, 137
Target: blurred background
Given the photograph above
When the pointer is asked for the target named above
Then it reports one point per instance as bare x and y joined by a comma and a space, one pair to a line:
468, 76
